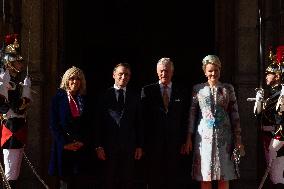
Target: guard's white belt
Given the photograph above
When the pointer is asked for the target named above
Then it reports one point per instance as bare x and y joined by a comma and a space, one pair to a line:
12, 114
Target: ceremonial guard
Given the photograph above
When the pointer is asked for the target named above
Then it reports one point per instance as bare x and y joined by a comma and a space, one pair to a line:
268, 108
15, 97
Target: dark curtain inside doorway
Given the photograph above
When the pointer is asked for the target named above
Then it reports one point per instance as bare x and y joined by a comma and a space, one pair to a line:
99, 34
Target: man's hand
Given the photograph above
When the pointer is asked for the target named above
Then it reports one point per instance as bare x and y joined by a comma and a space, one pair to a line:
187, 147
138, 153
101, 153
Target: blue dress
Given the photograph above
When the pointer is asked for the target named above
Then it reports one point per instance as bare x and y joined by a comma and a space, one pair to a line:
214, 119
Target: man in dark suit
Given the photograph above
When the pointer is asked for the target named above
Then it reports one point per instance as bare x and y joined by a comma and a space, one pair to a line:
119, 134
165, 114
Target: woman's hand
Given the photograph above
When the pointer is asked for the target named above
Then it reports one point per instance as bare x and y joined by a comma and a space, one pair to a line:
101, 153
74, 146
241, 148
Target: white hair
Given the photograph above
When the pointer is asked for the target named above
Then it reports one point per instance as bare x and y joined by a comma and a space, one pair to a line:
166, 61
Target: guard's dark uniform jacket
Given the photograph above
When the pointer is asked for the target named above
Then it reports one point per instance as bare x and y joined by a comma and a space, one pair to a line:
271, 120
271, 131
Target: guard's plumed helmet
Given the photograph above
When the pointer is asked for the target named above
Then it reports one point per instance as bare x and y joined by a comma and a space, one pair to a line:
10, 51
277, 62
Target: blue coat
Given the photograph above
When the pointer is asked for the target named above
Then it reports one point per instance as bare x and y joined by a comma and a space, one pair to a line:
65, 129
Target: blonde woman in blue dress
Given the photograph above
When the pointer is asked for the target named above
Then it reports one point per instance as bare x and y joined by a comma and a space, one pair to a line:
215, 124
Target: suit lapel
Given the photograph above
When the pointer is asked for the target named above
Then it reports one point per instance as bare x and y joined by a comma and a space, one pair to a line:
160, 97
175, 97
112, 97
112, 106
172, 97
127, 100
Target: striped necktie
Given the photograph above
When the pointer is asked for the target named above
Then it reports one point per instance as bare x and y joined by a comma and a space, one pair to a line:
166, 98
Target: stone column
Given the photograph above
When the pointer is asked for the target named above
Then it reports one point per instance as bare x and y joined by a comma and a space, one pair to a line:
41, 36
236, 43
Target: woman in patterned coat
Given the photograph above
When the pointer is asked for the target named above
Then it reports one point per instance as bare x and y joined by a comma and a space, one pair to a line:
214, 123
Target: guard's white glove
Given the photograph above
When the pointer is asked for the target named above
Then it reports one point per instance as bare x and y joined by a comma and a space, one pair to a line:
27, 88
280, 102
258, 101
259, 94
4, 83
282, 90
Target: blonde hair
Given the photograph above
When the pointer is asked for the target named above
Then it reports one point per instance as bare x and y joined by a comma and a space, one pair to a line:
73, 72
211, 59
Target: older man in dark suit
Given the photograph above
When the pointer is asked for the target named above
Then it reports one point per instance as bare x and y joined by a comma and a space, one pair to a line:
165, 114
119, 134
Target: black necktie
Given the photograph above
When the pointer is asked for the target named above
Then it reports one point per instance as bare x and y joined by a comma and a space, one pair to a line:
120, 100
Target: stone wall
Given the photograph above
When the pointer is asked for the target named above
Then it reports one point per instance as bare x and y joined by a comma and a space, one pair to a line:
237, 44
